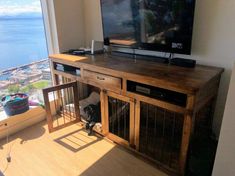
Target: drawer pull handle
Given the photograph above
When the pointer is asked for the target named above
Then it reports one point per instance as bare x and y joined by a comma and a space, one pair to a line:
100, 78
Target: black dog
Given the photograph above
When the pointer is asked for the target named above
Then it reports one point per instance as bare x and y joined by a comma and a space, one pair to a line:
93, 116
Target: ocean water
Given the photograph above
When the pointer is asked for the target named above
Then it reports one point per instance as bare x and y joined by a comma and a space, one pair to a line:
22, 41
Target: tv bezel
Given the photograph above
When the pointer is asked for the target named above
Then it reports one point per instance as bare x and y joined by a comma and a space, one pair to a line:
152, 46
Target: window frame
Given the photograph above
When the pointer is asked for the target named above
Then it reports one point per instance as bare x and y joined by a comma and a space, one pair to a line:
49, 19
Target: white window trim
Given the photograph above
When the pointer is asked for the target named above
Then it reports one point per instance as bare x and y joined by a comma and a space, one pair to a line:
50, 26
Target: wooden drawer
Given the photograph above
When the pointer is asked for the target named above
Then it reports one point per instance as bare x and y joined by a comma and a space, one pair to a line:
102, 80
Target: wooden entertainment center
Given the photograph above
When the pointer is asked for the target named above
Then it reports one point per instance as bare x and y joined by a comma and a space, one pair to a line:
152, 108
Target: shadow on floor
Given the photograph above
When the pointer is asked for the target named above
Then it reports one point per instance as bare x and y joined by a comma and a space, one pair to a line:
77, 140
38, 131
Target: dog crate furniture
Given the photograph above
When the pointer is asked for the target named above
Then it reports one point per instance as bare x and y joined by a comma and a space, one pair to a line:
152, 108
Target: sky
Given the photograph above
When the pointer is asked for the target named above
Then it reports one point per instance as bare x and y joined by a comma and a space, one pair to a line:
18, 7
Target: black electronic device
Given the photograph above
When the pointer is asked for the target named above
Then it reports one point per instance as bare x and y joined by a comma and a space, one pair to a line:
190, 63
157, 25
67, 69
78, 52
157, 93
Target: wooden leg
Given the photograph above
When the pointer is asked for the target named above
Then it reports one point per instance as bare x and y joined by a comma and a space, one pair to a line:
185, 142
137, 125
76, 101
104, 112
56, 80
132, 124
187, 129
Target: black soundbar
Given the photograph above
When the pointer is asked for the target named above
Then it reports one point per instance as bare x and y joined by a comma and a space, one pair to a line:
157, 59
190, 63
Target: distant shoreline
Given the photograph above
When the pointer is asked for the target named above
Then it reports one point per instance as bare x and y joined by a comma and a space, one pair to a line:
21, 66
20, 18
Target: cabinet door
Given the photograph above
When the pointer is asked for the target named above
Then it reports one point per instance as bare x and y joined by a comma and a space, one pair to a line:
159, 134
120, 119
62, 105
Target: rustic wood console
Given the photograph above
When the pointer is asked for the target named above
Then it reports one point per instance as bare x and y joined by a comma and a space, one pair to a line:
158, 129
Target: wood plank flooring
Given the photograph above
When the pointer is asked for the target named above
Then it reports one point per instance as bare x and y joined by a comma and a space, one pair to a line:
68, 152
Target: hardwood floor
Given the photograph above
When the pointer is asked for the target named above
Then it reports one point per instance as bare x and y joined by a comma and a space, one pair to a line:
68, 152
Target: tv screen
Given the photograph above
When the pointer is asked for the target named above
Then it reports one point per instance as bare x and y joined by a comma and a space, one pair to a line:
158, 25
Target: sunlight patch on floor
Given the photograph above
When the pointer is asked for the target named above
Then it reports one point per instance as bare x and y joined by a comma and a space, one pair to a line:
68, 152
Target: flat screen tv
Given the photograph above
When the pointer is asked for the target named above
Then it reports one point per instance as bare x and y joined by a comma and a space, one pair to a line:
157, 25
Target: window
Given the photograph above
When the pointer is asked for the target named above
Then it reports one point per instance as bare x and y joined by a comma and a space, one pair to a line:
24, 65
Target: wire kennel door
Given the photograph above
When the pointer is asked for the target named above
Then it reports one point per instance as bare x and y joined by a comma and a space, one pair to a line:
62, 105
120, 113
160, 134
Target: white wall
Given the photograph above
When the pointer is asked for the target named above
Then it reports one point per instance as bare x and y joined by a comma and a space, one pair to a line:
213, 39
69, 16
213, 43
224, 162
93, 22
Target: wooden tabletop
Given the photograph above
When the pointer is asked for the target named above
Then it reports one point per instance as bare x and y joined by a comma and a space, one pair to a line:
190, 79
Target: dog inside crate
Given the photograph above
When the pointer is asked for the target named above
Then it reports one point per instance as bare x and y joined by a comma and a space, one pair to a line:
89, 107
90, 112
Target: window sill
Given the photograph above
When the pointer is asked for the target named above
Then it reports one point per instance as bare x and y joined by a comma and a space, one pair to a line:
13, 124
3, 115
